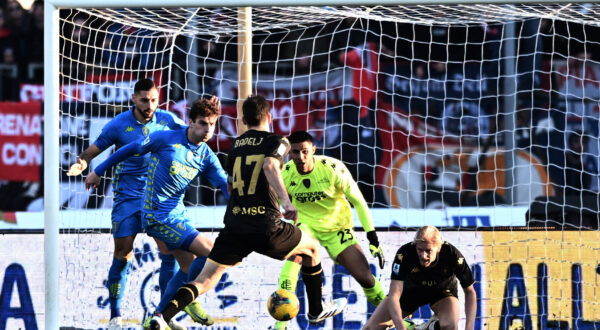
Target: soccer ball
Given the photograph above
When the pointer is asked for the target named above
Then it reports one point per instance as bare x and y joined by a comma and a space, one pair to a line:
283, 305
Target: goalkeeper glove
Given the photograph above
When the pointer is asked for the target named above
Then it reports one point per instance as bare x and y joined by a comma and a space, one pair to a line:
376, 250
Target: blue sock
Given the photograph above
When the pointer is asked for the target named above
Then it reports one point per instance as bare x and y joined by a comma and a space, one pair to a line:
168, 267
178, 280
117, 277
196, 268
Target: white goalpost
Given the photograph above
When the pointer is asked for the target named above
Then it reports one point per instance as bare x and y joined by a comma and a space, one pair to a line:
51, 127
478, 118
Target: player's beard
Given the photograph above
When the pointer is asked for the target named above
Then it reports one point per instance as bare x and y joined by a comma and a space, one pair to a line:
146, 114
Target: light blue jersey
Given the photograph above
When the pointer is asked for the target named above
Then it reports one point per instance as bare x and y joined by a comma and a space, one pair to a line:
174, 163
128, 184
130, 175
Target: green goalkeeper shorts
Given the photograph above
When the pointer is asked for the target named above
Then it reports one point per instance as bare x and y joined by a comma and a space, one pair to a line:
334, 242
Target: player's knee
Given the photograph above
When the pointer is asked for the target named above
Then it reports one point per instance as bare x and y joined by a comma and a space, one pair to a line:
201, 246
123, 253
123, 248
206, 242
163, 249
314, 252
314, 246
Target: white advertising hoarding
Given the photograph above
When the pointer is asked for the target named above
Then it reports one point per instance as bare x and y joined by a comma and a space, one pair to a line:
529, 278
238, 302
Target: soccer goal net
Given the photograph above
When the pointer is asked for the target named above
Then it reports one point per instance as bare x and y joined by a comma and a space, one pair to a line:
479, 119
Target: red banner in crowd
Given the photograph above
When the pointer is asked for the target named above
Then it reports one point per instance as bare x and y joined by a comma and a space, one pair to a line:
20, 141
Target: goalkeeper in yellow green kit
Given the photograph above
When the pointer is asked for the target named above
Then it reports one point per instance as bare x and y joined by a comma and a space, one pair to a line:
321, 188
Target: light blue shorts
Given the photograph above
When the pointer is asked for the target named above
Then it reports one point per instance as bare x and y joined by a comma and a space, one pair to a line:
174, 230
126, 217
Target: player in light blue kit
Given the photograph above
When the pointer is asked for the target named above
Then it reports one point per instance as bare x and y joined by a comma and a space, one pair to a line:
176, 158
128, 183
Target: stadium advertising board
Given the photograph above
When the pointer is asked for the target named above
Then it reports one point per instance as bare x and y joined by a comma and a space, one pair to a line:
538, 279
106, 92
20, 141
104, 88
542, 280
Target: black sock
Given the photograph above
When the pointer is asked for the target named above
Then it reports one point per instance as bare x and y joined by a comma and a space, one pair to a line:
183, 297
313, 282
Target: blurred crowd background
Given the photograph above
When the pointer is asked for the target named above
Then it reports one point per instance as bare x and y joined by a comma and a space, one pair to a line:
441, 84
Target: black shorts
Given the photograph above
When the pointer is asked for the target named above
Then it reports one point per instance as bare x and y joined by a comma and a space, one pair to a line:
413, 298
231, 247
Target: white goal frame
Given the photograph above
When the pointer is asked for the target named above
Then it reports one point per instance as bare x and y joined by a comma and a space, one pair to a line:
51, 103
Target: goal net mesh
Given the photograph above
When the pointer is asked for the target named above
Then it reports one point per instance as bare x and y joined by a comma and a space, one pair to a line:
479, 119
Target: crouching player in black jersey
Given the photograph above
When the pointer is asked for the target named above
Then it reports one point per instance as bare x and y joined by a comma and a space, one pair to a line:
253, 218
424, 272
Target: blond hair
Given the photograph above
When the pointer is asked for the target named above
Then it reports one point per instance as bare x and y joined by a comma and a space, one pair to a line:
429, 234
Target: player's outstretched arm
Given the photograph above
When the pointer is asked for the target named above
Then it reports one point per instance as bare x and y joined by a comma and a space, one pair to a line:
120, 155
216, 175
352, 192
275, 179
470, 307
84, 159
394, 308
